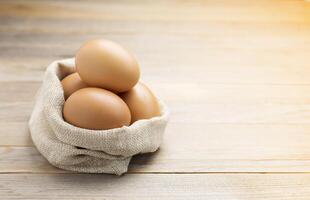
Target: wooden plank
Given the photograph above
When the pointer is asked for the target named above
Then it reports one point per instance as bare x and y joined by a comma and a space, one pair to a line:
189, 73
172, 186
258, 66
188, 92
24, 91
28, 160
200, 36
15, 134
62, 38
65, 34
277, 104
15, 112
209, 54
201, 113
209, 30
178, 11
252, 52
246, 103
196, 148
24, 159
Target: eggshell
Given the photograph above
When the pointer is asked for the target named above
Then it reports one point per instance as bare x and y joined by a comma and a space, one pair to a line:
105, 64
97, 109
72, 83
141, 102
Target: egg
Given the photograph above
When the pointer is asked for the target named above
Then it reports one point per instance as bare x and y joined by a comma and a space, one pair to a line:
141, 102
103, 63
72, 83
96, 109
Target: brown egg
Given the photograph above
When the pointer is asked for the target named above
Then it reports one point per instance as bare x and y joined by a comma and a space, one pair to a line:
105, 64
141, 102
97, 109
72, 83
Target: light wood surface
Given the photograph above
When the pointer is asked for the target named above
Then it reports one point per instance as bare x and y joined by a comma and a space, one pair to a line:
154, 186
235, 75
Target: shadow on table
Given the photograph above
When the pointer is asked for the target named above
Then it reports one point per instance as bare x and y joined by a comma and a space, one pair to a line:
141, 162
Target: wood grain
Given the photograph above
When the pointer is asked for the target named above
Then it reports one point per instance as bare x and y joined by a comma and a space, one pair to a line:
248, 104
172, 186
235, 75
198, 148
161, 10
187, 92
200, 113
28, 160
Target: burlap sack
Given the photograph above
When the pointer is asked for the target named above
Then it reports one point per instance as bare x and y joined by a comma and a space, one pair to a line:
76, 149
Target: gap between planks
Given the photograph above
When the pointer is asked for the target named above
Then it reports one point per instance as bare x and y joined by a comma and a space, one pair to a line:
164, 173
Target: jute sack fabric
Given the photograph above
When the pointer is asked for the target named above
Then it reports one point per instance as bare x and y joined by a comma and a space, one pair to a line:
91, 151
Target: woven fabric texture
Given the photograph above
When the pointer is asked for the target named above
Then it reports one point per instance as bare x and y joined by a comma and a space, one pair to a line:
90, 151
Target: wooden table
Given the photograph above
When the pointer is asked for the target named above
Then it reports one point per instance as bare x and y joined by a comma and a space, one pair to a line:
235, 75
